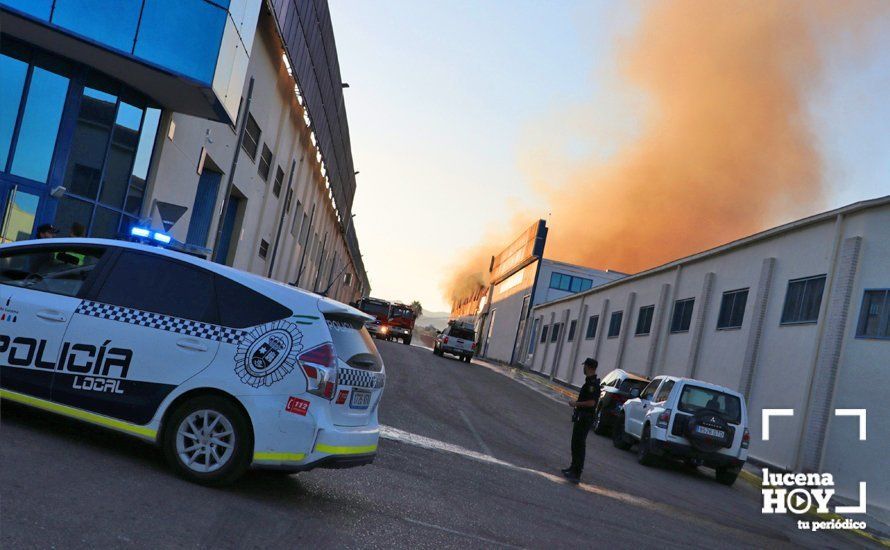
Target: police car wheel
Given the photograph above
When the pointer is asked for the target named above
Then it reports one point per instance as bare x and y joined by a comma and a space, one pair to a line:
644, 454
619, 440
599, 424
207, 440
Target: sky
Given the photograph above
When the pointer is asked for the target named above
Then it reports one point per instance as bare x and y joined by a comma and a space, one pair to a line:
445, 98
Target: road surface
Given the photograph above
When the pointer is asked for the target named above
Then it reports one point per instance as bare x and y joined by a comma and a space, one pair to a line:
471, 459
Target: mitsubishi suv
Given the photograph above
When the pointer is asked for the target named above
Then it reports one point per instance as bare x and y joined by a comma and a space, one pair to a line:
701, 423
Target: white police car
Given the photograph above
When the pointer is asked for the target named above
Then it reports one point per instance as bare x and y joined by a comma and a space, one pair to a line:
221, 368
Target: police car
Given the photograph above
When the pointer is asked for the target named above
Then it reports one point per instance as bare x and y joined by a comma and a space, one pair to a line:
222, 369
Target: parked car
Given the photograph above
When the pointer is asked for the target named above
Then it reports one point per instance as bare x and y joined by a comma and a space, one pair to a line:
458, 339
701, 423
616, 387
222, 369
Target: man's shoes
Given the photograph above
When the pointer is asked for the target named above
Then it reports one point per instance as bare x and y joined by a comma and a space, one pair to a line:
571, 475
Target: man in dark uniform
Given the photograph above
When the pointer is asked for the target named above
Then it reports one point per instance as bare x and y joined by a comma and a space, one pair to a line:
582, 418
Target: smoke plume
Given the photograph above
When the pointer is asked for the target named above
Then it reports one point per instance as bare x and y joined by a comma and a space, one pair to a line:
724, 148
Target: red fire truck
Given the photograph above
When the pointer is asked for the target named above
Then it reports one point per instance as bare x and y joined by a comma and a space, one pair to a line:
401, 322
380, 310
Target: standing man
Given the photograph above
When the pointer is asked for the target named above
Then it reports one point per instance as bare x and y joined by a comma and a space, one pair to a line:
47, 231
582, 418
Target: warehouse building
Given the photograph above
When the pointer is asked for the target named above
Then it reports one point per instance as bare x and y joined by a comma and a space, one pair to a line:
221, 123
796, 317
520, 279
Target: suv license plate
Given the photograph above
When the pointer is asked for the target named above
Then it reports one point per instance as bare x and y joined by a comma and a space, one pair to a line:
719, 434
360, 399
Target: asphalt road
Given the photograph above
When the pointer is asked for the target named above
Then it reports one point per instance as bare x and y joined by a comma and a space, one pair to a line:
64, 484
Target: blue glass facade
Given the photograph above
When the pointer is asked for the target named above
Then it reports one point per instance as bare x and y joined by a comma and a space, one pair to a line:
68, 128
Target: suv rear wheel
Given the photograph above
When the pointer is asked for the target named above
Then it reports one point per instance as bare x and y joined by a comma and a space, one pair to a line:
644, 453
207, 440
727, 475
619, 438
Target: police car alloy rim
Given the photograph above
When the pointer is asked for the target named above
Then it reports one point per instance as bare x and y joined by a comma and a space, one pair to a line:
205, 441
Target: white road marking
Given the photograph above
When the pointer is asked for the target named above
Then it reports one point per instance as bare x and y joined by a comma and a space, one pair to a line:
395, 434
461, 533
475, 433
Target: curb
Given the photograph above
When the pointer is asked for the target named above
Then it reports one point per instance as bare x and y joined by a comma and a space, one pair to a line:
757, 482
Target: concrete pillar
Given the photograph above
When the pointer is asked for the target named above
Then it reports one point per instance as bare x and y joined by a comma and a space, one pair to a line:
699, 325
576, 345
752, 348
833, 316
661, 312
536, 335
600, 329
625, 327
672, 298
547, 343
560, 342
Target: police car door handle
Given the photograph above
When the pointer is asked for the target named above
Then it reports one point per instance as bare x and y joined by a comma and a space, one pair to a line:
190, 344
52, 315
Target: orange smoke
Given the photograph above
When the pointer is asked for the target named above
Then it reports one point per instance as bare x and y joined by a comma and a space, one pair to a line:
725, 147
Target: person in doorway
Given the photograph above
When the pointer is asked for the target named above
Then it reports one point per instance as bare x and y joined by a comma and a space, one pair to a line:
47, 231
582, 418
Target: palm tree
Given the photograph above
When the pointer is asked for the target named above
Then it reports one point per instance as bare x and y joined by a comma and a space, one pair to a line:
418, 309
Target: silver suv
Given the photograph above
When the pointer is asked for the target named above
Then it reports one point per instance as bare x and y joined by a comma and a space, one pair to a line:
701, 423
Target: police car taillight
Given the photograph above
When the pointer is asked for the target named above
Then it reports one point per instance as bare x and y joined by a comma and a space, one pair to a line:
319, 364
746, 439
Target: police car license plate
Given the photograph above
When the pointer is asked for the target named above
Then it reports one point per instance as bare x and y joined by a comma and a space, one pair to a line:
360, 399
719, 434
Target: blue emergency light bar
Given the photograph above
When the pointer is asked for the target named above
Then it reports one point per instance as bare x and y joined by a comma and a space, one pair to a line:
144, 233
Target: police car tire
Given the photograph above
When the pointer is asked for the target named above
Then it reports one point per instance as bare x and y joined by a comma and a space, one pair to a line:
237, 463
599, 423
644, 455
727, 476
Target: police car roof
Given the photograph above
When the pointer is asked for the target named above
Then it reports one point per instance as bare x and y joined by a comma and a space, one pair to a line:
272, 288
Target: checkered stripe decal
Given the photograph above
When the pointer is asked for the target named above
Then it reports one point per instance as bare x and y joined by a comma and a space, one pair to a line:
160, 322
360, 378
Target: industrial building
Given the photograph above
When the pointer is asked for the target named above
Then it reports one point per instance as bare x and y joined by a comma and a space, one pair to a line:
795, 317
520, 278
222, 123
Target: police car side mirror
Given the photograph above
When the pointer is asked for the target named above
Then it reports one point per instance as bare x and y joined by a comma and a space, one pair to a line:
634, 393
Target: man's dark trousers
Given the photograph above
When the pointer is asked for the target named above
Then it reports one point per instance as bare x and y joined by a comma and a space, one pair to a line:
579, 442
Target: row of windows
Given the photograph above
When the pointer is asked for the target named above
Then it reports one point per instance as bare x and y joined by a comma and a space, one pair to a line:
569, 283
802, 303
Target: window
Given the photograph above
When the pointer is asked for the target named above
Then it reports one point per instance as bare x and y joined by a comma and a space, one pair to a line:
554, 334
251, 141
615, 324
696, 398
113, 24
39, 127
56, 269
544, 333
264, 248
732, 309
352, 343
592, 323
644, 320
649, 391
682, 316
279, 180
874, 316
14, 72
664, 391
265, 165
568, 283
610, 379
803, 300
572, 330
152, 283
462, 333
241, 307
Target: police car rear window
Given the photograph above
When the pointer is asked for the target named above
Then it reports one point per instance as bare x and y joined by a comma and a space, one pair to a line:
152, 283
241, 307
352, 343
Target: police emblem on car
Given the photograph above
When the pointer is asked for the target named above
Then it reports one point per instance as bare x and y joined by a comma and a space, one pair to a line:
268, 353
